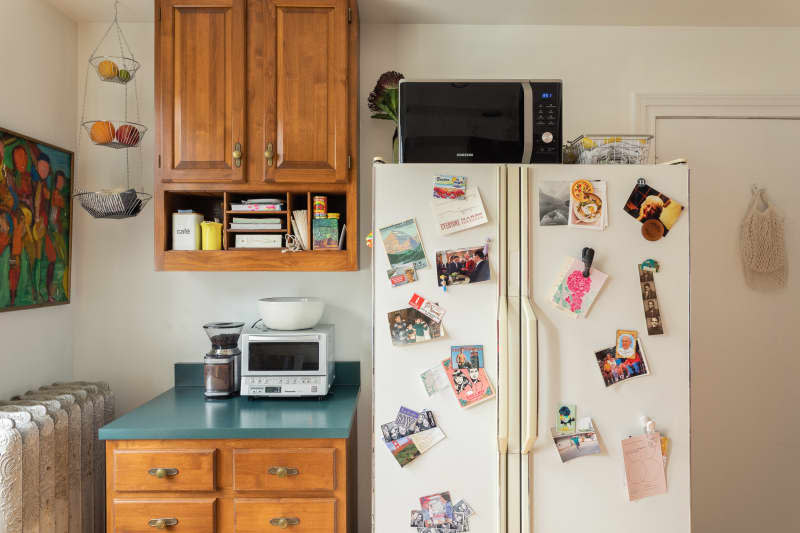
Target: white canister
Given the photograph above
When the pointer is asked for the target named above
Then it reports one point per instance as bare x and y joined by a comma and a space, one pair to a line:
186, 231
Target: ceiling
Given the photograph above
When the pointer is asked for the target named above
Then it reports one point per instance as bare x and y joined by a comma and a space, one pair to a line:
544, 12
103, 10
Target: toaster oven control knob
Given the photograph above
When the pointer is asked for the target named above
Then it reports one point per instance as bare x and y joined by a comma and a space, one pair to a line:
547, 137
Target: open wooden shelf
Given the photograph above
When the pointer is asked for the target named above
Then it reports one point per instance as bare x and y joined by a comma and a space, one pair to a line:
257, 213
216, 204
284, 230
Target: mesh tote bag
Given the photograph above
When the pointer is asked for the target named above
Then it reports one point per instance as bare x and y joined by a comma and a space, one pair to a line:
762, 244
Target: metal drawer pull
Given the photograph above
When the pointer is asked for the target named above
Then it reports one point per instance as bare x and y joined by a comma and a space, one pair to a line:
283, 471
161, 473
284, 522
162, 523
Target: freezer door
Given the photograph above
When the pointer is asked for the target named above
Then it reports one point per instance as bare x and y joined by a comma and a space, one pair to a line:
566, 495
466, 463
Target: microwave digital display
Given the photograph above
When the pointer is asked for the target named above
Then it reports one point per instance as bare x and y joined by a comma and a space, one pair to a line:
547, 96
283, 356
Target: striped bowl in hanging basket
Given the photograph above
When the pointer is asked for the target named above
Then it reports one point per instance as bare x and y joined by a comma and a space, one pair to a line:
115, 133
115, 69
115, 203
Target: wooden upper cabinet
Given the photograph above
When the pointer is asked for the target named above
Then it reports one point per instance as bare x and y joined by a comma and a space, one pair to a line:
305, 91
201, 90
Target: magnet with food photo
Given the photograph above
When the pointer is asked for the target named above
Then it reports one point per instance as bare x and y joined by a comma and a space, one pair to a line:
657, 211
587, 204
403, 245
410, 326
463, 266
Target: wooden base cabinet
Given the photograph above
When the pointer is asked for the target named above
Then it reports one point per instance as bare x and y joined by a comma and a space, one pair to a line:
231, 486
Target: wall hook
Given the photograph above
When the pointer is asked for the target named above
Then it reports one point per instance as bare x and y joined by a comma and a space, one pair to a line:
641, 183
587, 256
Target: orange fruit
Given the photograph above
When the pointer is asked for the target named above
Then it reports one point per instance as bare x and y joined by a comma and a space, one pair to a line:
102, 132
107, 69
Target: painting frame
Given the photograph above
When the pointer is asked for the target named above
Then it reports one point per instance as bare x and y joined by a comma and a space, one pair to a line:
9, 138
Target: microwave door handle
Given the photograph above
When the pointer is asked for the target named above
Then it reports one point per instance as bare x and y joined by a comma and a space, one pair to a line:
527, 122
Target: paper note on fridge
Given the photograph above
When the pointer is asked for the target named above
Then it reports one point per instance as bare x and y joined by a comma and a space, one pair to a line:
644, 466
425, 440
457, 215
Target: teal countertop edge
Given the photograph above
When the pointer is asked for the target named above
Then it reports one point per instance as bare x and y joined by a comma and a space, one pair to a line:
183, 413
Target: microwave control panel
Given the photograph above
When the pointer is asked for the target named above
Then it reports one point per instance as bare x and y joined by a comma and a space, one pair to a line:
547, 120
284, 386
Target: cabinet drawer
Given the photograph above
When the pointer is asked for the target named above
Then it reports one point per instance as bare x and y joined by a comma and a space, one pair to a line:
284, 469
298, 515
141, 516
164, 470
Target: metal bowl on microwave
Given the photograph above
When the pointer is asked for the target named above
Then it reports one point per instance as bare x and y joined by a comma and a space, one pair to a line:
291, 313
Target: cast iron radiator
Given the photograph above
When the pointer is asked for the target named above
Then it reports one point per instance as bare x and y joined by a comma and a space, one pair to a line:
52, 466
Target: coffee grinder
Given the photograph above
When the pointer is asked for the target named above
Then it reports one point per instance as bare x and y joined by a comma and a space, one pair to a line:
222, 366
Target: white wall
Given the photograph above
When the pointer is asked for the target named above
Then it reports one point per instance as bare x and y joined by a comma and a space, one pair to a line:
37, 98
132, 324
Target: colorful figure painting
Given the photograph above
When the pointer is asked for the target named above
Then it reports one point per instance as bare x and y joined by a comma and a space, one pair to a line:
35, 222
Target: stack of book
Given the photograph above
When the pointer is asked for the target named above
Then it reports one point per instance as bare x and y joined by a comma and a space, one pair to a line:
256, 240
244, 223
258, 205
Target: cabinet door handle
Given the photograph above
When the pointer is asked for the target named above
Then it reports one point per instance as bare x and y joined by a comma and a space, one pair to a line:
162, 473
283, 471
162, 523
269, 154
237, 155
284, 522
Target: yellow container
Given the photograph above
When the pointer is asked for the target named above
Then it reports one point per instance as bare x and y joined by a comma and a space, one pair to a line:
212, 235
334, 215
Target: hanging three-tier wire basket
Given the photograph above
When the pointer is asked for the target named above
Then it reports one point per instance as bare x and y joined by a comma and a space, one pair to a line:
122, 194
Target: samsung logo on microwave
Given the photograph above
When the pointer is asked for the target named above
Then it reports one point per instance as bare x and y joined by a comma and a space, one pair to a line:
465, 154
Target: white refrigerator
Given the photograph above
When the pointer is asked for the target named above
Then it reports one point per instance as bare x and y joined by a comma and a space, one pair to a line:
499, 456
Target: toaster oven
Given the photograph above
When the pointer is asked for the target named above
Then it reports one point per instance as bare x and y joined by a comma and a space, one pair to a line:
287, 363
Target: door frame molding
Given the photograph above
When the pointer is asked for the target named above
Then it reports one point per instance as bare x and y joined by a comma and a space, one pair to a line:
648, 108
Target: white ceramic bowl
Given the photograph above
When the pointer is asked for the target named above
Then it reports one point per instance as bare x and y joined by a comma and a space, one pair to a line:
288, 313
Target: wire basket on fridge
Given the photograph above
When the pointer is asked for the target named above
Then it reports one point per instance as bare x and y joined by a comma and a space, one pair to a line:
613, 149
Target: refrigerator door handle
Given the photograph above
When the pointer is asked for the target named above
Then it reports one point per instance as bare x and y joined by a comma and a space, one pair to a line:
532, 381
502, 393
529, 341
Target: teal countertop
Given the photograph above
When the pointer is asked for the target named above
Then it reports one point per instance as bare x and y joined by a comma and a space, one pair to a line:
183, 413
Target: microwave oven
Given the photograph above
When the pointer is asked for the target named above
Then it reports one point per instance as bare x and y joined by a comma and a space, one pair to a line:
480, 121
287, 363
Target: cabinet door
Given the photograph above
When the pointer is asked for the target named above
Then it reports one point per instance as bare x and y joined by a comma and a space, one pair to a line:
306, 105
202, 90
